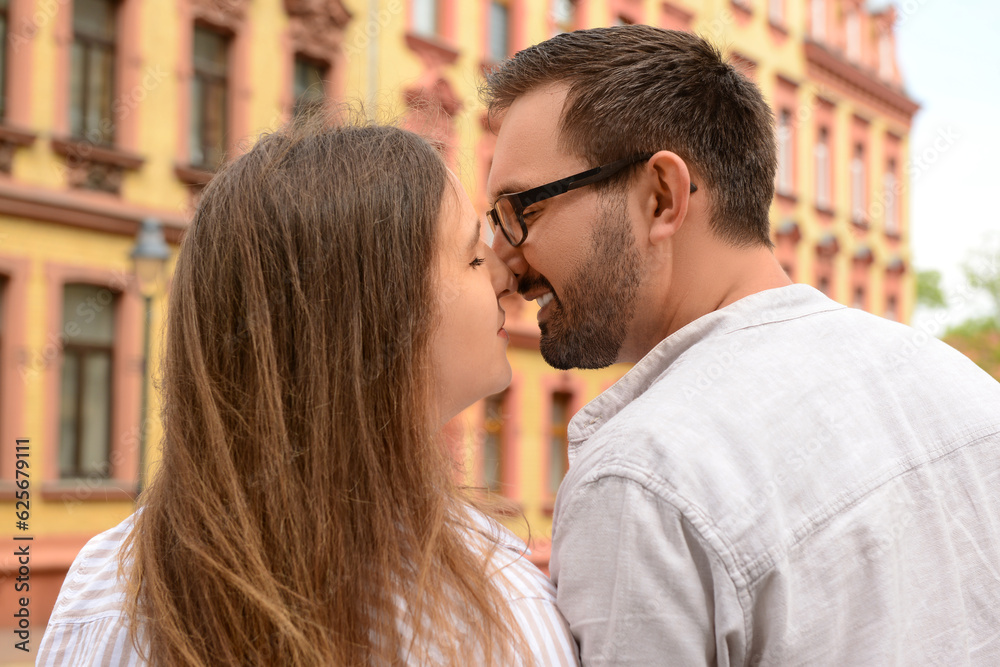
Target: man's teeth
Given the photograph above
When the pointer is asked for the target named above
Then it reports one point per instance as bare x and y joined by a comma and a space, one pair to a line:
544, 300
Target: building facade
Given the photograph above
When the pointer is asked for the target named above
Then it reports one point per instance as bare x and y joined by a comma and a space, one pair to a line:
114, 111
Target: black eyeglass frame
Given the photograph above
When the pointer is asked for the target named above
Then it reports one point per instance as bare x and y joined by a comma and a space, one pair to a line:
518, 201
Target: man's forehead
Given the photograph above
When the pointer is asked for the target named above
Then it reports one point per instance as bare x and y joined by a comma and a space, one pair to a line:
527, 147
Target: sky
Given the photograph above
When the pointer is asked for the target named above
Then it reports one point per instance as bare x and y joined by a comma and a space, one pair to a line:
949, 54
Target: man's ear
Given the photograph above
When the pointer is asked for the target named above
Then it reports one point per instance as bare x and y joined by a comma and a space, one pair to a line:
670, 190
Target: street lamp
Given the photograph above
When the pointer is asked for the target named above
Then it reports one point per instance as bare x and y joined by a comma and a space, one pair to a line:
149, 256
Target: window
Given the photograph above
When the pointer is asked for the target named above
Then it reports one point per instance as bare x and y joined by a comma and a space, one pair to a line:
776, 11
786, 165
853, 28
858, 185
425, 17
892, 309
4, 22
310, 94
824, 285
209, 98
562, 16
558, 439
85, 397
92, 71
822, 155
890, 196
884, 55
819, 20
859, 298
493, 442
499, 45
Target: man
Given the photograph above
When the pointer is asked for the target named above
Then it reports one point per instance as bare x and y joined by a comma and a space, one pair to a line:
779, 479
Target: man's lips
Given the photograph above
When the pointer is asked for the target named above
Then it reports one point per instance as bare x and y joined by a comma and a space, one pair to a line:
532, 288
540, 291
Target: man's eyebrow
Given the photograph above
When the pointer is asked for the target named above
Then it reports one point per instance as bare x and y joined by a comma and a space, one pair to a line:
510, 187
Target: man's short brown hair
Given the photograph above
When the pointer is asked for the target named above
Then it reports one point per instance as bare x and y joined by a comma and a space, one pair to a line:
635, 89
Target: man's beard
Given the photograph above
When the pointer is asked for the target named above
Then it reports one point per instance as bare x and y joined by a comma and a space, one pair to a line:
589, 321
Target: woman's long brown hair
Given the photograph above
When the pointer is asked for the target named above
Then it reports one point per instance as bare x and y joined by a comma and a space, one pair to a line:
304, 512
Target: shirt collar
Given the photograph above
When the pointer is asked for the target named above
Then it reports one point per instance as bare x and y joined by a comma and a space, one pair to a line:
773, 305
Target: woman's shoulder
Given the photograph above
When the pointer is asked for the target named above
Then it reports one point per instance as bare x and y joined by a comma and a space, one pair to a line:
530, 593
88, 618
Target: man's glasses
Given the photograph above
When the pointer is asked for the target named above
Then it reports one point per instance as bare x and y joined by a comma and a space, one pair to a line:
508, 211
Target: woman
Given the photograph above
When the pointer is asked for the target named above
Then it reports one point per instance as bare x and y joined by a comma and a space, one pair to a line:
332, 307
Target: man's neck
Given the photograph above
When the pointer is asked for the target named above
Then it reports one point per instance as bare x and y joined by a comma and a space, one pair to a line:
696, 289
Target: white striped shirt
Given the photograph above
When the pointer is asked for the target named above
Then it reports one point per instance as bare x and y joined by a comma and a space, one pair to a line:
88, 626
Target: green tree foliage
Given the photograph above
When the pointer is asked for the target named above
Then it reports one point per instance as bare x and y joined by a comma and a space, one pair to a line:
983, 273
979, 338
929, 292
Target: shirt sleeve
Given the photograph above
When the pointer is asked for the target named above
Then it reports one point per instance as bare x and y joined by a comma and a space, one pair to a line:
638, 584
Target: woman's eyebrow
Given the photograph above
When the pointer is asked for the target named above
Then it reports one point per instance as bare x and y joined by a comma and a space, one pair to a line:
476, 234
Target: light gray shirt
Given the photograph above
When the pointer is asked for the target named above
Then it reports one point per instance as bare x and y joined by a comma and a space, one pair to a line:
785, 481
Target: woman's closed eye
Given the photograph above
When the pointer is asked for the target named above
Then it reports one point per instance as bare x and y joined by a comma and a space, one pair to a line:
478, 261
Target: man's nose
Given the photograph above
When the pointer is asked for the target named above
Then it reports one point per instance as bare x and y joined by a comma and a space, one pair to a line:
509, 255
503, 280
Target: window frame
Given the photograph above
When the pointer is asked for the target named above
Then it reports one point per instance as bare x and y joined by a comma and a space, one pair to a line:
81, 351
4, 58
500, 433
558, 430
818, 20
891, 222
776, 12
110, 47
127, 384
325, 68
420, 30
491, 48
858, 182
201, 76
823, 165
785, 136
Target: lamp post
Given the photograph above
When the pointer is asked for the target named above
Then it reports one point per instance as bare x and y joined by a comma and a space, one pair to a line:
149, 256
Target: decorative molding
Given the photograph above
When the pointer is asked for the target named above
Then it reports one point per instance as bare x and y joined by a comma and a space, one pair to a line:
196, 178
676, 16
433, 52
828, 246
830, 68
228, 14
316, 27
94, 167
788, 197
433, 96
863, 255
334, 10
81, 209
896, 265
789, 229
193, 176
11, 139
